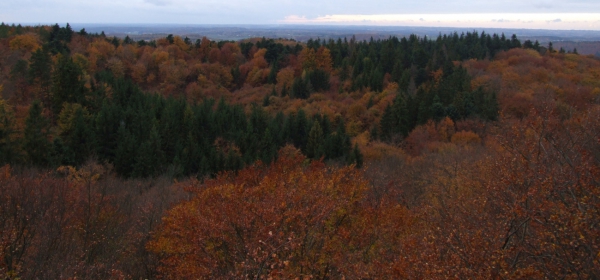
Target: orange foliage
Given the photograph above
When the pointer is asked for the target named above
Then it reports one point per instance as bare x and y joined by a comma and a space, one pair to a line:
285, 77
290, 219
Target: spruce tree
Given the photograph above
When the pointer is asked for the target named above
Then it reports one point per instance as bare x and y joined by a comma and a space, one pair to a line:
39, 74
35, 141
314, 146
8, 143
67, 84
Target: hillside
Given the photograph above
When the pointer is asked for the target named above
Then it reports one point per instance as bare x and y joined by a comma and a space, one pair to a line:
462, 156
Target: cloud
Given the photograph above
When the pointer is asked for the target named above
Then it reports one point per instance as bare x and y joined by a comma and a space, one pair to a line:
158, 2
544, 6
499, 20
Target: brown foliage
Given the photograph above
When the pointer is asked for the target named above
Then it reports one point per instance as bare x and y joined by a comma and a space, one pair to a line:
86, 224
288, 220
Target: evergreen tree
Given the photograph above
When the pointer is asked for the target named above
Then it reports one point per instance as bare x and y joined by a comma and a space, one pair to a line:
40, 72
314, 146
300, 89
67, 84
9, 151
35, 141
400, 115
356, 157
272, 78
437, 109
125, 156
77, 136
149, 157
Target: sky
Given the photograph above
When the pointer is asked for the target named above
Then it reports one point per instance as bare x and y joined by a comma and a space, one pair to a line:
531, 14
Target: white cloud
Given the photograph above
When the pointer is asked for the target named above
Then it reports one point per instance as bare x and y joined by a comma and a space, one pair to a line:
559, 21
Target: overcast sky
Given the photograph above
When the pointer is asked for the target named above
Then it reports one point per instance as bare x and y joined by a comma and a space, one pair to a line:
545, 14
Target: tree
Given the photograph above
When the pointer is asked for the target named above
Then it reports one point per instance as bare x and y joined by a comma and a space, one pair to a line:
149, 156
40, 73
282, 221
300, 89
35, 139
356, 157
26, 42
76, 134
18, 75
314, 146
67, 84
9, 150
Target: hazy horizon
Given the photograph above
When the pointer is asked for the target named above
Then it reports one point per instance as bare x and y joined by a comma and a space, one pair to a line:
545, 14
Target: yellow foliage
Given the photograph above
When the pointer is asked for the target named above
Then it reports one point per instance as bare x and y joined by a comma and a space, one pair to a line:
81, 61
307, 58
362, 139
595, 92
445, 129
355, 111
116, 66
323, 59
25, 42
260, 53
378, 150
464, 138
88, 174
103, 48
180, 43
160, 56
203, 81
354, 127
67, 115
316, 97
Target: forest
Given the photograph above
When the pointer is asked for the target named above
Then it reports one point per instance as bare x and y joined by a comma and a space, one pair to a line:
469, 155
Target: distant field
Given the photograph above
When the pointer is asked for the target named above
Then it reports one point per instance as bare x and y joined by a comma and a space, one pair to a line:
305, 32
582, 47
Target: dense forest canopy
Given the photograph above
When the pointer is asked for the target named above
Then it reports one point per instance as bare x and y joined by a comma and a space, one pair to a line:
467, 155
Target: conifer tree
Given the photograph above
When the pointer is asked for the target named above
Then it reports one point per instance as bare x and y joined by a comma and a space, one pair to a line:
8, 143
35, 142
67, 84
40, 72
314, 146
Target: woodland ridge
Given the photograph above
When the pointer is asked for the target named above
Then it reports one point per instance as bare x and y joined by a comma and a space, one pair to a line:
468, 155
